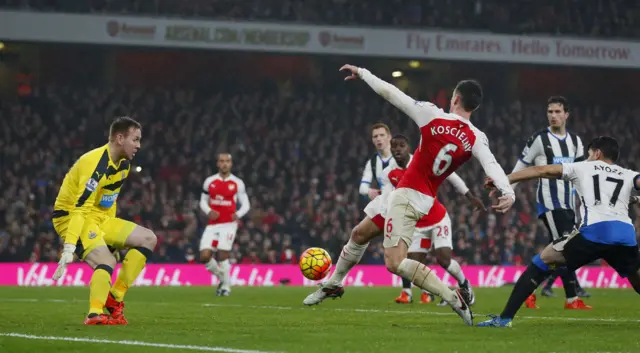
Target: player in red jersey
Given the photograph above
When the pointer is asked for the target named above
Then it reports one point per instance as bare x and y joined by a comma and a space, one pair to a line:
221, 193
432, 230
371, 226
447, 141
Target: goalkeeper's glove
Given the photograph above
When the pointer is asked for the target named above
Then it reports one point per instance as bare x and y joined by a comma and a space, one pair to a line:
65, 259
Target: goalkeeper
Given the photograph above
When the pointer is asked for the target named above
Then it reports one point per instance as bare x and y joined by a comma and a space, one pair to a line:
84, 217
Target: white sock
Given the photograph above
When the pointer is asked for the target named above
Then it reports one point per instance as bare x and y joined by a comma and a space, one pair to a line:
350, 256
423, 277
571, 300
225, 269
408, 291
455, 270
212, 266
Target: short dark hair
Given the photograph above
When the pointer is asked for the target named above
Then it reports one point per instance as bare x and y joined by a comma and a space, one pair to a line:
607, 145
401, 137
470, 92
559, 100
121, 125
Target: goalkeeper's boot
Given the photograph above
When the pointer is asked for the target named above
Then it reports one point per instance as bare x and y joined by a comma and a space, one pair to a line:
116, 309
577, 304
325, 291
496, 321
531, 302
426, 297
404, 298
100, 319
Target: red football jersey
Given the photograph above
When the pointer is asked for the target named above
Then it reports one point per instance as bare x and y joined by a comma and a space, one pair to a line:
445, 145
223, 196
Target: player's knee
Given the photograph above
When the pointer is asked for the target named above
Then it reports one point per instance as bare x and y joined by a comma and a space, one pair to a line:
107, 261
358, 235
146, 238
444, 260
392, 262
223, 255
205, 256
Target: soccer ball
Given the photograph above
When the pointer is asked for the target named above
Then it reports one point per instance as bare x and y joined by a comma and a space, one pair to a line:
315, 263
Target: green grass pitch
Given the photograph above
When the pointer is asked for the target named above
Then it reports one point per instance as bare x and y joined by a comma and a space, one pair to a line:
266, 320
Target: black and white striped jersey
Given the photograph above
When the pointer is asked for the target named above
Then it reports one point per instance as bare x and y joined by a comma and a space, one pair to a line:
544, 148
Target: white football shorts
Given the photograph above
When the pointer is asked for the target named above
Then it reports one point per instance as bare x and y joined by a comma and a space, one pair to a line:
437, 235
219, 236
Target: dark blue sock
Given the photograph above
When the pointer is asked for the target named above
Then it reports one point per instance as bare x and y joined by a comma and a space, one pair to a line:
526, 284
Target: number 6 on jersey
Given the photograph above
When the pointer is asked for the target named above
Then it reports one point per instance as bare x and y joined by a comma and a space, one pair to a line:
443, 156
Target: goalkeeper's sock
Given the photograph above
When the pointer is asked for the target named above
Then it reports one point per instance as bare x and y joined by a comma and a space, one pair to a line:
133, 263
99, 288
423, 277
350, 256
526, 284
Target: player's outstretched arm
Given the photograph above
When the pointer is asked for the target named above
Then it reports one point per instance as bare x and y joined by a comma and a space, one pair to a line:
461, 187
551, 171
421, 112
495, 172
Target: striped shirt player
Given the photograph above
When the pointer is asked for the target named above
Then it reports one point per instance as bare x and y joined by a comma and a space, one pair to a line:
554, 198
371, 181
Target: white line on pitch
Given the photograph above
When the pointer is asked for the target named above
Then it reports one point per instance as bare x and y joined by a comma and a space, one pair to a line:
131, 343
416, 312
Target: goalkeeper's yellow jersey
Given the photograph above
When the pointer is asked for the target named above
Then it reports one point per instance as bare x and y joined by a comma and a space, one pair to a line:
90, 190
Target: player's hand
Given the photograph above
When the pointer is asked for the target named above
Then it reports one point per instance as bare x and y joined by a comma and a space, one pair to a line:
234, 217
488, 183
353, 70
213, 215
476, 202
65, 259
504, 203
634, 200
373, 193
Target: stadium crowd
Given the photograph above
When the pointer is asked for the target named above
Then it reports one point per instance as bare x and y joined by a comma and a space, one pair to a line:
300, 154
604, 18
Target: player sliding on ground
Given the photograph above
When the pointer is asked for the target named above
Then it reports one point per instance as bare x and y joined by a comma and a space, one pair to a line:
447, 141
85, 218
606, 231
371, 227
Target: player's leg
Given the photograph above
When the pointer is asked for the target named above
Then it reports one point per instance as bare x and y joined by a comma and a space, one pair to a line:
561, 223
350, 256
626, 261
92, 248
103, 262
208, 242
140, 243
398, 233
420, 246
441, 236
571, 251
226, 237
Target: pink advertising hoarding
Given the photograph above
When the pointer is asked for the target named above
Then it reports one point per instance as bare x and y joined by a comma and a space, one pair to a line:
79, 274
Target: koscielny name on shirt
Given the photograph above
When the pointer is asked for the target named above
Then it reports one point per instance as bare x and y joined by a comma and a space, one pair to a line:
455, 132
608, 169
